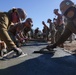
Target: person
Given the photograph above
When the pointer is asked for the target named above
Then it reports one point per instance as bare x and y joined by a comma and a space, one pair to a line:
51, 30
17, 31
68, 9
28, 28
45, 31
59, 26
36, 31
14, 15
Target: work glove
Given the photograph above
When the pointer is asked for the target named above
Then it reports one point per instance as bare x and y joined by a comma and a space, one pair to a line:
18, 51
51, 47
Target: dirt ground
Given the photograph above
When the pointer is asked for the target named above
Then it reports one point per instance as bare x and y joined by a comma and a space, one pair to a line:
70, 46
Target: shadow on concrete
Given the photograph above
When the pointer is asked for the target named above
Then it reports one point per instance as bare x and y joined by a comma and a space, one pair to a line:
44, 65
35, 44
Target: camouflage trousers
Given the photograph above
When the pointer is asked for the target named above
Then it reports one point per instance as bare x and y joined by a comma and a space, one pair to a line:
59, 32
69, 29
53, 37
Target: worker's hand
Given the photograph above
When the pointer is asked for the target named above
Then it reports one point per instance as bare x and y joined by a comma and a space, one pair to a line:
51, 47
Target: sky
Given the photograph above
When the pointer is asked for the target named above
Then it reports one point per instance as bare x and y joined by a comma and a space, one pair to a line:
38, 10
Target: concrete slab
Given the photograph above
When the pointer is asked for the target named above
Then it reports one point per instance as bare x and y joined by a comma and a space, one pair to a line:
60, 63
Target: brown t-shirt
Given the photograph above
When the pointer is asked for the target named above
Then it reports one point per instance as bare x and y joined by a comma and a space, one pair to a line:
59, 19
16, 28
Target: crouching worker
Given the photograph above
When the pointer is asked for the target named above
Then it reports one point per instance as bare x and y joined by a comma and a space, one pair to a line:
68, 10
16, 32
3, 49
6, 18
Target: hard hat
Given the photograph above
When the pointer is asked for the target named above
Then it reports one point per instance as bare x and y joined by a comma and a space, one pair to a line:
48, 20
37, 28
55, 10
21, 13
29, 20
64, 5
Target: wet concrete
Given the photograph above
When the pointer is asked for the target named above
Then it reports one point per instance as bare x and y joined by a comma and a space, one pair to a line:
60, 63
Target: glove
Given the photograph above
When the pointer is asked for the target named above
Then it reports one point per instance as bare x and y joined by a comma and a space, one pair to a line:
18, 51
51, 47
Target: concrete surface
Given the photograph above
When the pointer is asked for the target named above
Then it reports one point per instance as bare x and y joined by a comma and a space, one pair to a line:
60, 63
